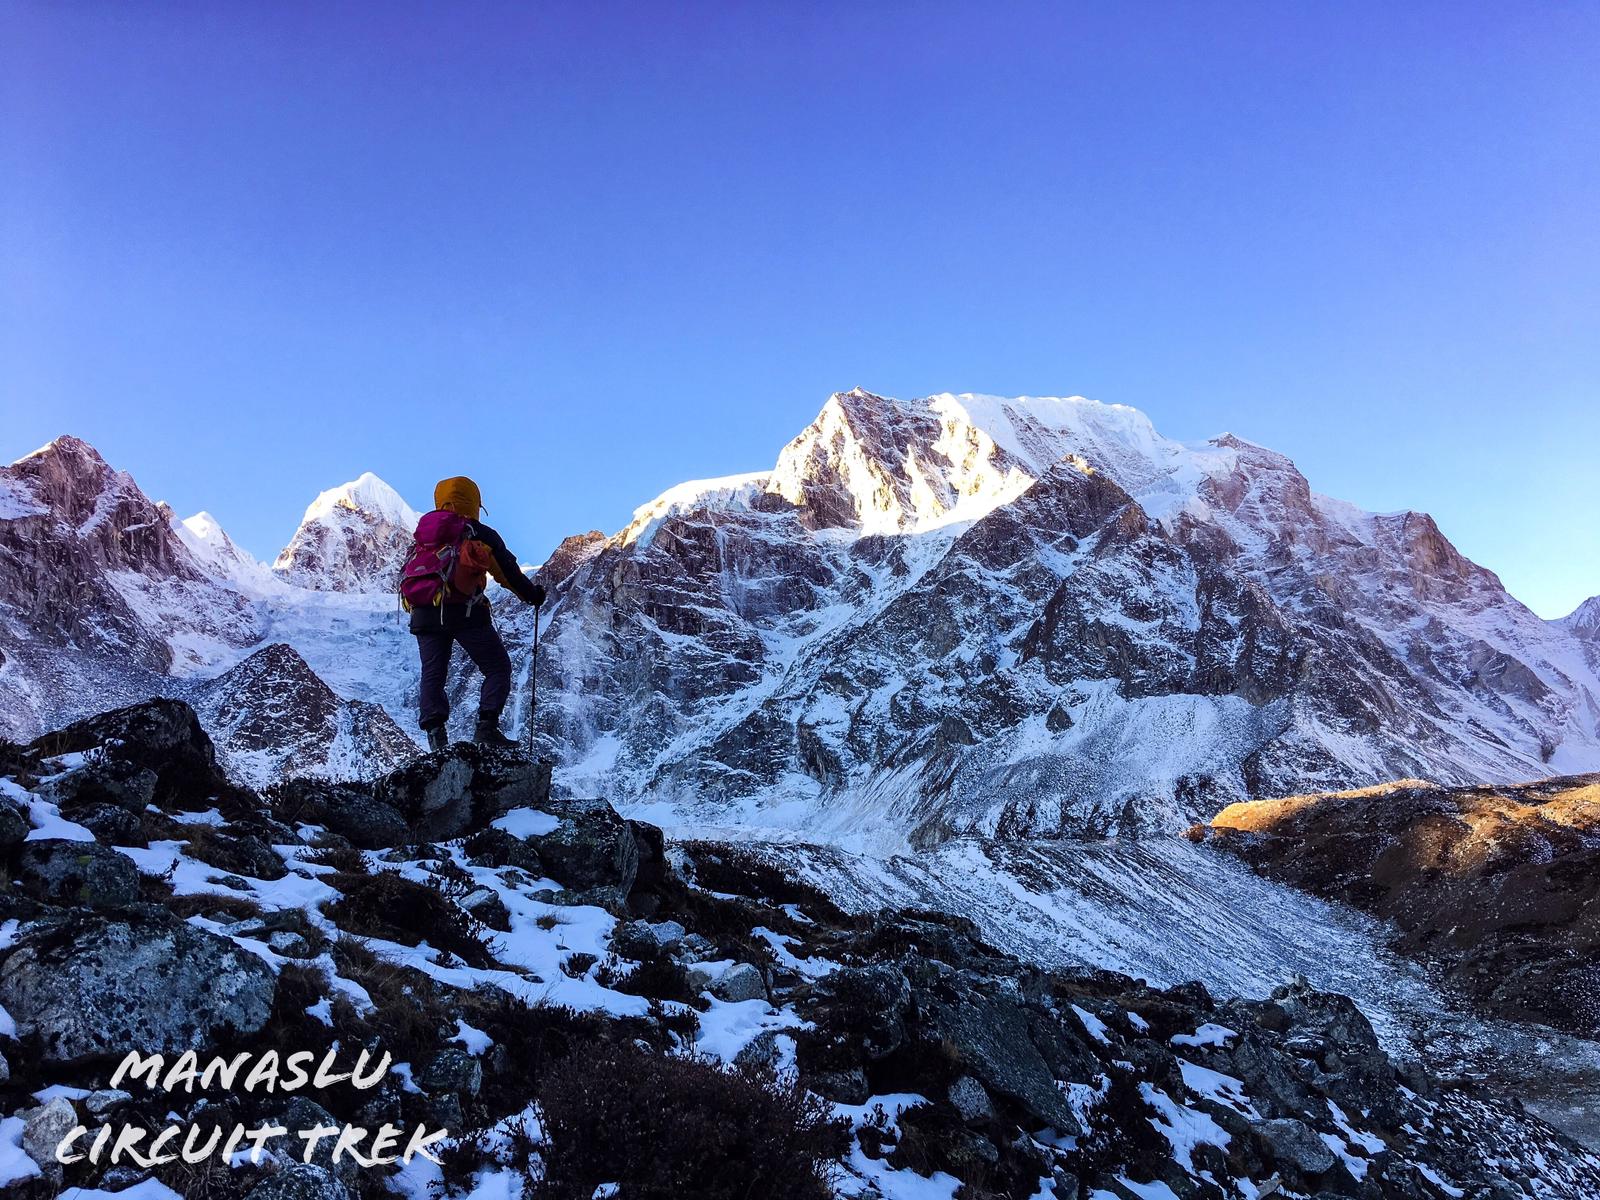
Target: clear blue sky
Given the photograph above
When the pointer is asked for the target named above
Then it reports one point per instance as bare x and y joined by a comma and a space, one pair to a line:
585, 251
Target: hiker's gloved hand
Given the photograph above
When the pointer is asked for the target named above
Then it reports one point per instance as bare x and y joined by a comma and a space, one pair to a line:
538, 594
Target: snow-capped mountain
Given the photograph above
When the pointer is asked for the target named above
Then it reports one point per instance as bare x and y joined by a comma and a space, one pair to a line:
353, 538
217, 553
930, 618
108, 597
945, 615
1036, 615
1583, 623
100, 599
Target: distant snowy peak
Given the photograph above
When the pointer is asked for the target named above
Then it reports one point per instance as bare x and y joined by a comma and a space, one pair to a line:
878, 465
352, 538
1583, 624
881, 466
218, 554
203, 533
1585, 619
872, 465
365, 494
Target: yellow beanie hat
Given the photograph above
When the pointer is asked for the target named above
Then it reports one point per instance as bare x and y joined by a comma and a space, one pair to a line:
459, 495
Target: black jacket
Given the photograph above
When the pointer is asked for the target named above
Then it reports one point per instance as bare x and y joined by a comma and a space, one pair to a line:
463, 615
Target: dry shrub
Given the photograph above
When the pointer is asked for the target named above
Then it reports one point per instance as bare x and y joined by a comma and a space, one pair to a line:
736, 870
341, 856
989, 1162
665, 1127
410, 1014
300, 985
211, 1179
657, 976
482, 1150
215, 904
389, 906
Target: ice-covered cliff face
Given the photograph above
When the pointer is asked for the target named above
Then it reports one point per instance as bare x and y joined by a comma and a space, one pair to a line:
353, 538
952, 614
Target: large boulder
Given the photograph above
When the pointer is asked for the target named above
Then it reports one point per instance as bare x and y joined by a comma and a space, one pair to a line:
1267, 1079
116, 781
454, 792
742, 981
44, 1128
970, 1100
110, 824
161, 736
14, 824
498, 848
68, 872
1353, 1067
590, 847
989, 1034
873, 1001
1295, 1143
347, 809
450, 1070
86, 986
238, 854
298, 1114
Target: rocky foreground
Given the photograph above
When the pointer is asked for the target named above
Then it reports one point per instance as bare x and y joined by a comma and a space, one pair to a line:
1500, 887
589, 1012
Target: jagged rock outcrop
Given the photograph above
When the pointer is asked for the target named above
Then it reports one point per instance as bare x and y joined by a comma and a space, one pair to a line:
272, 718
1498, 886
300, 1181
79, 873
151, 752
458, 791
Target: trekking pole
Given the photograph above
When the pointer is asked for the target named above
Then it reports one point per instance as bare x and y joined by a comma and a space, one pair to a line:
533, 685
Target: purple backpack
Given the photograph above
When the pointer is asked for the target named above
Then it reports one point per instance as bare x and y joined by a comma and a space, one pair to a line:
429, 574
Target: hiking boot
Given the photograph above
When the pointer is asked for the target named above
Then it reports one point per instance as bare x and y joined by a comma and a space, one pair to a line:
438, 739
488, 734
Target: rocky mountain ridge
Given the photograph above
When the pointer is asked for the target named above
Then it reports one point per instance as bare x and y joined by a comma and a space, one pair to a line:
280, 721
1497, 886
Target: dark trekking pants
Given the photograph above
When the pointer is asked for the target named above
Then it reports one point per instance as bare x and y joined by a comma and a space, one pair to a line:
488, 653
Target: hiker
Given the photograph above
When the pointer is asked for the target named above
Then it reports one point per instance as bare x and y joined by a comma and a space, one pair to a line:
442, 585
